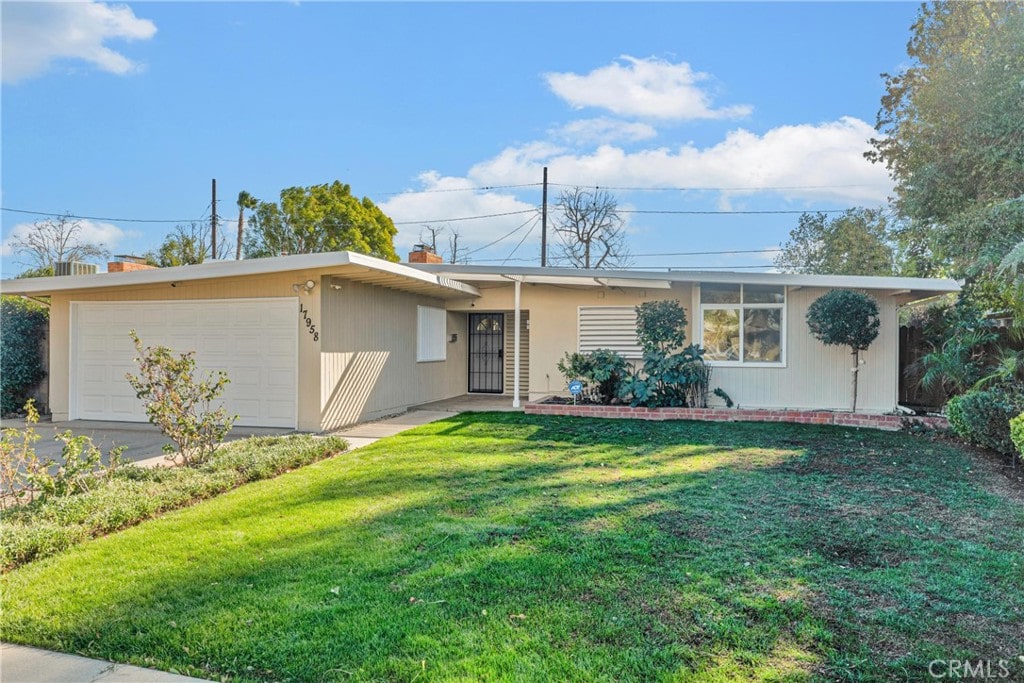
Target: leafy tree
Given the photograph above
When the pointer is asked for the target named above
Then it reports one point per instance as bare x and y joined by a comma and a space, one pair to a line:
320, 218
855, 243
46, 271
245, 201
952, 135
590, 231
845, 318
188, 245
54, 240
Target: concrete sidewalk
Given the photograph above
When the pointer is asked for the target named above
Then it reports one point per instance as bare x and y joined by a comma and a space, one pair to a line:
20, 664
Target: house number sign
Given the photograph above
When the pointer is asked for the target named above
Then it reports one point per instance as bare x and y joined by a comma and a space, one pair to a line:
310, 327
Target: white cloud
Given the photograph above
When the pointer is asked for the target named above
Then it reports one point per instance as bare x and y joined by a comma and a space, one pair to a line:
604, 130
805, 161
649, 88
450, 197
106, 235
35, 34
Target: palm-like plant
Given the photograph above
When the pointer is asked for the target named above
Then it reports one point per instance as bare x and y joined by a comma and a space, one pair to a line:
1012, 267
245, 201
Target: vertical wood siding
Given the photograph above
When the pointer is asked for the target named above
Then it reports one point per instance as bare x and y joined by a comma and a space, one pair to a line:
369, 354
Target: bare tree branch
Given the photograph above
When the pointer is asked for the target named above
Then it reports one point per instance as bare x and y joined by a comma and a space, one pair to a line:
590, 230
56, 240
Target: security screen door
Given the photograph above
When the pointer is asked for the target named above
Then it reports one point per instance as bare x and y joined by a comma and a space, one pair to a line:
486, 352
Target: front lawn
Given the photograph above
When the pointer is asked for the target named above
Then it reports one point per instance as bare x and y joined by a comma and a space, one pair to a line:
510, 547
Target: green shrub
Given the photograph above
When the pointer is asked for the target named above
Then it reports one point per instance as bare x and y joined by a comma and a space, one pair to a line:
983, 417
602, 372
1017, 433
178, 404
129, 494
671, 375
23, 324
24, 476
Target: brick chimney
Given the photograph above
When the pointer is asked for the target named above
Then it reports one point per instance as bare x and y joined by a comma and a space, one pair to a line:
422, 253
126, 263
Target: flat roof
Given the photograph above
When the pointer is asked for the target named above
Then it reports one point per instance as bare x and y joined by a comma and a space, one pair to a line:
665, 278
348, 264
452, 281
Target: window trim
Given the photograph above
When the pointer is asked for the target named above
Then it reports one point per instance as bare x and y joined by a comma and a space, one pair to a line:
423, 315
742, 307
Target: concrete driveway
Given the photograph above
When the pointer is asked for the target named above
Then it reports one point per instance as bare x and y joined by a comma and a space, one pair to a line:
142, 441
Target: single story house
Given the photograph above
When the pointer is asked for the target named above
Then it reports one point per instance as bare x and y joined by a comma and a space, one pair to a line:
319, 341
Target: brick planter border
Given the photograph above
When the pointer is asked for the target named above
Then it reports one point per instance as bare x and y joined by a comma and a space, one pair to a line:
890, 423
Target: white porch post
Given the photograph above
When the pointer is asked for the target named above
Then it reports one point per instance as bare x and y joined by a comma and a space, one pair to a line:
515, 352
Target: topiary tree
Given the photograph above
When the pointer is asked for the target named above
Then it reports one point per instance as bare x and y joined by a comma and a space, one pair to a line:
845, 318
22, 324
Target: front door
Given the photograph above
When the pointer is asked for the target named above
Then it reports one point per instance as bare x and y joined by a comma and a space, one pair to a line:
486, 352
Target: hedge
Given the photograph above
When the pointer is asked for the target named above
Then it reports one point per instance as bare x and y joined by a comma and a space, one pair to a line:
22, 324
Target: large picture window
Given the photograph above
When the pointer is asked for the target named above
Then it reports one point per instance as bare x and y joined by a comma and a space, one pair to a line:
743, 324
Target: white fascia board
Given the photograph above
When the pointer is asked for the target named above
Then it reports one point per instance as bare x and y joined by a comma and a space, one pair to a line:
225, 269
644, 278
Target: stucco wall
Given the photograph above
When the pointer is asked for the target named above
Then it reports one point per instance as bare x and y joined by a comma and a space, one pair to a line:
362, 365
814, 377
369, 365
553, 321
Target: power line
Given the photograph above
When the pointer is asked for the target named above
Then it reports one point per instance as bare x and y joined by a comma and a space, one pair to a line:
708, 253
459, 189
465, 218
525, 235
711, 213
504, 237
104, 218
710, 189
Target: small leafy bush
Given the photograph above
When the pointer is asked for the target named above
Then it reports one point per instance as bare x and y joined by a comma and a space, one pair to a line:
131, 494
22, 324
1017, 433
983, 417
602, 372
24, 476
178, 404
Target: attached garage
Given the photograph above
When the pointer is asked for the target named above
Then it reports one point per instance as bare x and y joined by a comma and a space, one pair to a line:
311, 342
255, 341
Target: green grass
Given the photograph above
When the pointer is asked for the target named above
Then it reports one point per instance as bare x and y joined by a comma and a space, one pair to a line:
510, 547
127, 495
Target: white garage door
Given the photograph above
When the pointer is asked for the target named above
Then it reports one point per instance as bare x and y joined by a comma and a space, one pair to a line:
254, 340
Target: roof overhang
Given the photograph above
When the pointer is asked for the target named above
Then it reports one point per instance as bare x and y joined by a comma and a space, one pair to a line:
346, 264
907, 289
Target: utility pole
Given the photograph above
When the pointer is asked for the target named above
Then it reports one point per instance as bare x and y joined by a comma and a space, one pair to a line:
544, 222
213, 231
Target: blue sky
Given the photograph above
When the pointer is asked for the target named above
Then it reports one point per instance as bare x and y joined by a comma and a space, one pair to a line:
127, 111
